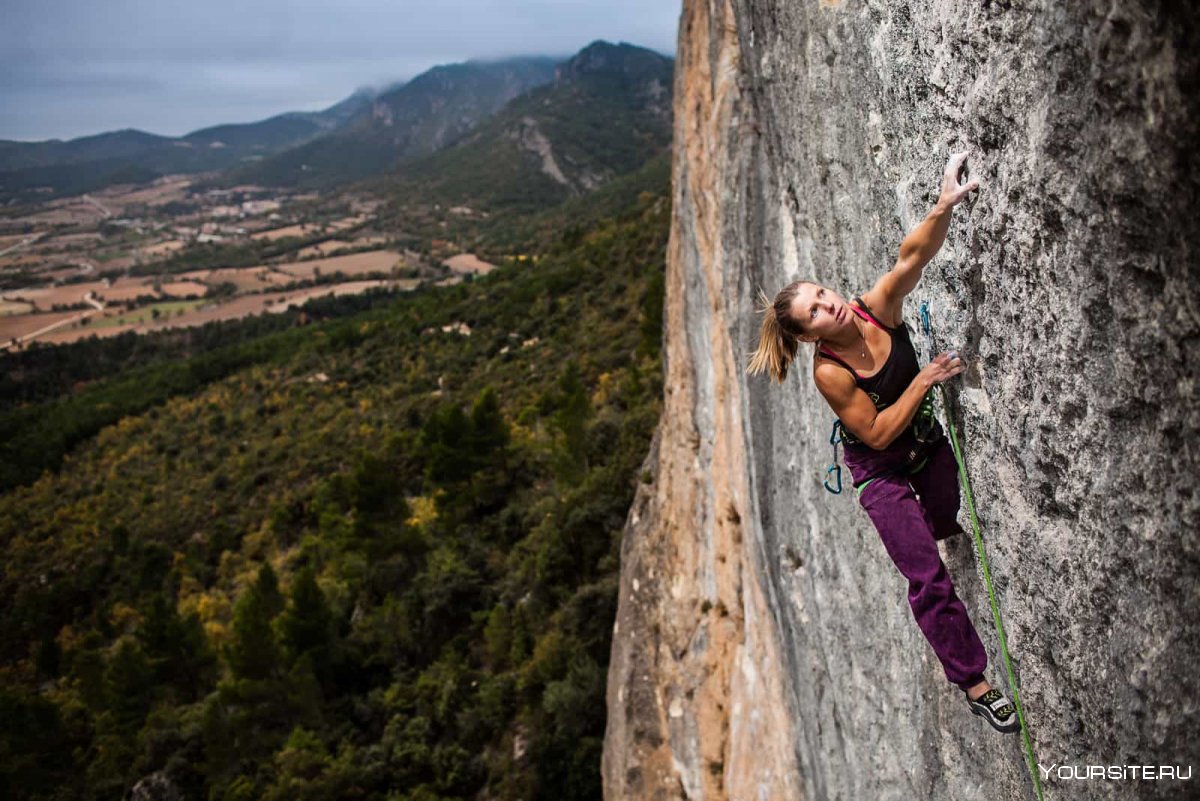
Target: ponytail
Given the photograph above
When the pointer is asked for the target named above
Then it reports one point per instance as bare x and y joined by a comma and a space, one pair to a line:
779, 336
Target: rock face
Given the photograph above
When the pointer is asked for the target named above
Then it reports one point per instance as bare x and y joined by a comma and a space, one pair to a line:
764, 648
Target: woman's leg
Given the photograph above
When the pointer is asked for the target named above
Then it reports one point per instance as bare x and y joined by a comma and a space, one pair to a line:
937, 485
905, 530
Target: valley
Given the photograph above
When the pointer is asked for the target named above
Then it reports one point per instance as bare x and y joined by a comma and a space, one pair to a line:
164, 256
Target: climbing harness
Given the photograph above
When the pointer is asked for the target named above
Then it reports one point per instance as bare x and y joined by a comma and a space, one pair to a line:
982, 558
923, 426
843, 435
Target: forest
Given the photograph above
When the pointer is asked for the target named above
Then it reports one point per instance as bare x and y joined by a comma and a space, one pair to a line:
367, 549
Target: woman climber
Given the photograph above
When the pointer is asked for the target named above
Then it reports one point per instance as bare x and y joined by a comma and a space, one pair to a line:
902, 465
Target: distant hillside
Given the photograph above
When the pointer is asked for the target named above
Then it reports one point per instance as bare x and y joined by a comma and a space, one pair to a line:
92, 162
127, 143
607, 113
284, 130
413, 120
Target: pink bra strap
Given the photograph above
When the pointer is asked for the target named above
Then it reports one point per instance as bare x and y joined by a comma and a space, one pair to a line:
867, 317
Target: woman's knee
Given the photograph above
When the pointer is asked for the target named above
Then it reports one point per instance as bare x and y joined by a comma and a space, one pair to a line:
945, 527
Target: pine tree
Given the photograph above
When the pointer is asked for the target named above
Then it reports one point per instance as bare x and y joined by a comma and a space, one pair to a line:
571, 419
268, 587
489, 432
254, 653
307, 625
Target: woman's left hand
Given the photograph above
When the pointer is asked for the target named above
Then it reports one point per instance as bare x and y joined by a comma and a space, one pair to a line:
953, 192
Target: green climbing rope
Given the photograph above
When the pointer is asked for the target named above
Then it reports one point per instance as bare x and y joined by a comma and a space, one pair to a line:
987, 576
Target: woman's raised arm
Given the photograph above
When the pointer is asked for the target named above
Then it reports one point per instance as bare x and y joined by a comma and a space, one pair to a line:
922, 244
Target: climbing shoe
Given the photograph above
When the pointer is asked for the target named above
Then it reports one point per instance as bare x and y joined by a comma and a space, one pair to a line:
997, 710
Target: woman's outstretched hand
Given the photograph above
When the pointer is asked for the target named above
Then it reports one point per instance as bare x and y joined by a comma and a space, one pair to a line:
953, 192
944, 365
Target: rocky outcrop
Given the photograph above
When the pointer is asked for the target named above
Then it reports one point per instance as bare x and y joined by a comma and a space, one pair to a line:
763, 647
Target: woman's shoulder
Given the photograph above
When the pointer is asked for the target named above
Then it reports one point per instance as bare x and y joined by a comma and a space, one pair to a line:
831, 378
827, 366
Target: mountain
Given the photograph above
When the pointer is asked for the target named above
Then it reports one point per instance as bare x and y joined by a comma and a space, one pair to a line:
164, 152
566, 128
607, 112
91, 162
413, 120
126, 143
285, 130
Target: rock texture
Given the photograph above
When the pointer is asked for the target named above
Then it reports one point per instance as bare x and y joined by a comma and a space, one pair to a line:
764, 648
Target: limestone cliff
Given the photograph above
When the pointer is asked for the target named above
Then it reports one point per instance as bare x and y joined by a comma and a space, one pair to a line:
763, 647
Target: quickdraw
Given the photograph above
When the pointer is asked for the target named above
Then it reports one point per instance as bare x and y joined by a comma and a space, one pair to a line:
835, 437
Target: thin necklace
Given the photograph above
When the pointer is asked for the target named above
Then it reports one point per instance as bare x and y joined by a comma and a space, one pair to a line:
862, 333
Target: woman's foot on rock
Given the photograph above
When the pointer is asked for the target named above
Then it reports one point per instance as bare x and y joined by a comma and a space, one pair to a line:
997, 710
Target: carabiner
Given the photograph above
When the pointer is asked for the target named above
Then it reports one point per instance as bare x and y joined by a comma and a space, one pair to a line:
837, 473
925, 325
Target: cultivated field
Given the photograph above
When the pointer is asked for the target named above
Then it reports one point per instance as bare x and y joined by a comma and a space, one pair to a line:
145, 314
202, 313
162, 248
371, 261
292, 230
9, 307
19, 325
465, 263
331, 246
18, 259
165, 190
181, 289
45, 298
247, 279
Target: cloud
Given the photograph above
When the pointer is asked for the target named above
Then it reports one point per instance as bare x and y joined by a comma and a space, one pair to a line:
71, 68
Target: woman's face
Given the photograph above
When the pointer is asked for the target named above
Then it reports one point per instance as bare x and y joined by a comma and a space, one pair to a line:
820, 311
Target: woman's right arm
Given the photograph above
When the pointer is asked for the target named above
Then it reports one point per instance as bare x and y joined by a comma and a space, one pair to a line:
879, 429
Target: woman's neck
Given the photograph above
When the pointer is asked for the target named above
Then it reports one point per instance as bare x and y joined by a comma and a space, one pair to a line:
851, 338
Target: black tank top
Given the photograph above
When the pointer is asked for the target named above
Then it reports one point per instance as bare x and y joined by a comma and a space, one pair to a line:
887, 385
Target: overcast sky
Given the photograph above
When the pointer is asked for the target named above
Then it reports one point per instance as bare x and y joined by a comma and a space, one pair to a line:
75, 67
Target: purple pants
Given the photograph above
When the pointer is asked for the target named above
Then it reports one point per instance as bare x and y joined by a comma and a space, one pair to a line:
912, 512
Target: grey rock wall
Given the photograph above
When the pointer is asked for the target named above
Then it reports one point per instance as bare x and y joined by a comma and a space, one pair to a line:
764, 647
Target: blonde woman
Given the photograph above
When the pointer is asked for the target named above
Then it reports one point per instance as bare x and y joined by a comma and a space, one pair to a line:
865, 366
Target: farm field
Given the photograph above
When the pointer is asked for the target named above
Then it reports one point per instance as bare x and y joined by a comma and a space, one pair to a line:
10, 307
247, 279
160, 249
465, 263
145, 314
45, 298
371, 261
331, 247
19, 325
198, 312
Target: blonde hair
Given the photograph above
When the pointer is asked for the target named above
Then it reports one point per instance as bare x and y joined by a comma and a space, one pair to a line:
780, 335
